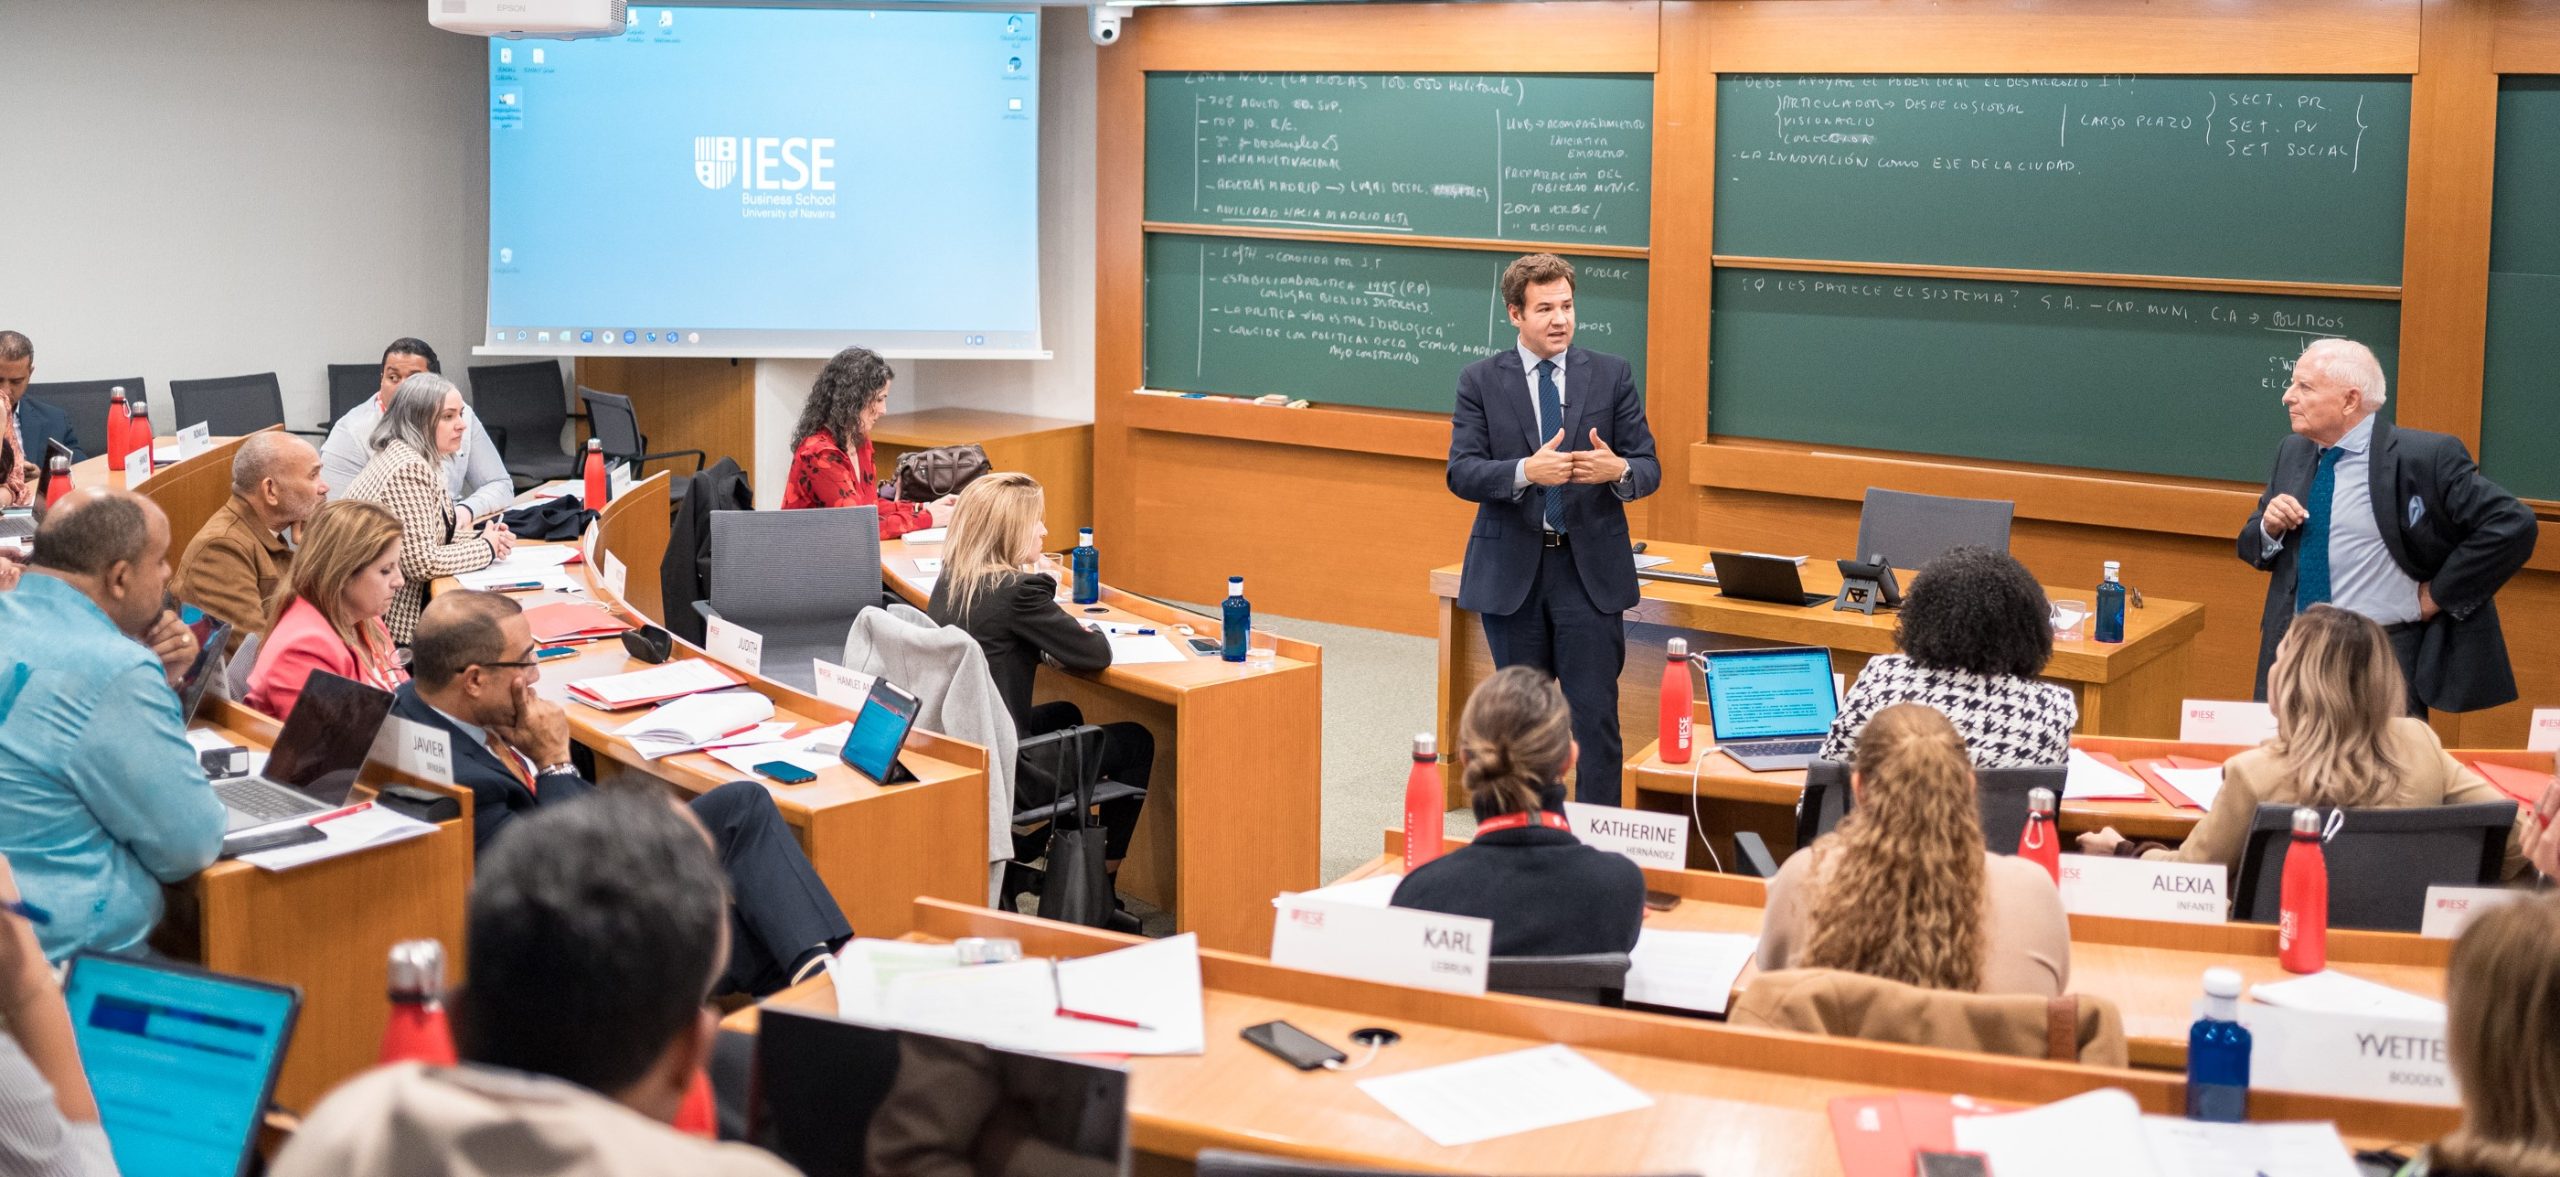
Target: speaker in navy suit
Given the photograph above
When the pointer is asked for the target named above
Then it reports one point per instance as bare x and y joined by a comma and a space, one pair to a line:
2395, 524
37, 421
1550, 442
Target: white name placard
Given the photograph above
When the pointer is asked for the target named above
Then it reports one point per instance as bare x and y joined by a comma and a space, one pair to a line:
194, 439
1658, 840
842, 687
2544, 735
587, 542
2451, 909
615, 575
1397, 945
2225, 721
2134, 888
617, 479
734, 644
137, 465
2355, 1055
414, 748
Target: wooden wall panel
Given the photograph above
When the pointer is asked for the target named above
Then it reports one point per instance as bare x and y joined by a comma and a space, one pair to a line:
2444, 312
2067, 36
2528, 37
703, 404
1557, 36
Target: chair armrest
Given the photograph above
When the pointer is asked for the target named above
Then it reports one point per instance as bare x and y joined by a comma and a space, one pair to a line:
640, 460
1752, 856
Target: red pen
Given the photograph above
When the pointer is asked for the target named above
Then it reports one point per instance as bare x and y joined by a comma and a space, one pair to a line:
349, 811
1059, 988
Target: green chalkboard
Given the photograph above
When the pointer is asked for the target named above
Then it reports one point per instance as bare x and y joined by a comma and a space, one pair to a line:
1530, 157
1377, 325
2518, 400
2153, 381
2289, 179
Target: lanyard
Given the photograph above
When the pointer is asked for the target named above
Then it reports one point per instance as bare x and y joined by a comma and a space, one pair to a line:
1513, 821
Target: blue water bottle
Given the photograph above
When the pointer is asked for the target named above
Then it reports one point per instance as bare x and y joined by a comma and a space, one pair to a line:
1088, 568
2218, 1053
2110, 625
1239, 620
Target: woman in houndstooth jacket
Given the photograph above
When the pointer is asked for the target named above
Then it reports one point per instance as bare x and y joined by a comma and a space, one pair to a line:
418, 434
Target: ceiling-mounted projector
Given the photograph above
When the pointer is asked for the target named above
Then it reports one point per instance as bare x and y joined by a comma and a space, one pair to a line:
562, 20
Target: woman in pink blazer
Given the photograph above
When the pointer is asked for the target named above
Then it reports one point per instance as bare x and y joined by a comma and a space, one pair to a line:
328, 615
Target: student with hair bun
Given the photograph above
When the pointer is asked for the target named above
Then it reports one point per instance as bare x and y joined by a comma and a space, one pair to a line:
2502, 1035
1546, 893
1905, 889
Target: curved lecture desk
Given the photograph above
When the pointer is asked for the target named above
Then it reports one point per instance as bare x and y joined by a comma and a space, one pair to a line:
2152, 970
878, 848
189, 491
2128, 688
1233, 806
1726, 1099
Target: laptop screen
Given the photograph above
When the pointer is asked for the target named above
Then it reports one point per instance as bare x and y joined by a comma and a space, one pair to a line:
1759, 694
182, 1060
840, 1099
322, 747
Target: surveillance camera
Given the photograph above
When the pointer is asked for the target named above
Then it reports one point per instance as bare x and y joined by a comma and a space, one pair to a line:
1102, 22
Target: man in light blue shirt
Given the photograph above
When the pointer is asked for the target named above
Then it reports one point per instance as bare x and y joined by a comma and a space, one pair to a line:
477, 475
101, 798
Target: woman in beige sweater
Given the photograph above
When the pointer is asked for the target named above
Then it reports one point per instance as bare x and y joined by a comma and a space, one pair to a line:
1905, 890
2341, 741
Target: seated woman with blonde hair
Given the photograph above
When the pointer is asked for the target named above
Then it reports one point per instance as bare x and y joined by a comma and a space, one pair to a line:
1546, 893
328, 614
2502, 1038
1905, 890
2342, 741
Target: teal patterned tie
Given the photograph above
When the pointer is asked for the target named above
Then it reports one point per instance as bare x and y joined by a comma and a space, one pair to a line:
2311, 567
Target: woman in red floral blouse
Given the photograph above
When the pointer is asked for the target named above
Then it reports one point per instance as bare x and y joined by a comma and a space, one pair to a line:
831, 447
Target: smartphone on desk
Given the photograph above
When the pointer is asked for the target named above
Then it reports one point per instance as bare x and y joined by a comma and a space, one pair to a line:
786, 772
547, 653
1208, 646
1292, 1045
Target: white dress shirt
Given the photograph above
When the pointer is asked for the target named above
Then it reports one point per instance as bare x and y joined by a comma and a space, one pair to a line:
1529, 362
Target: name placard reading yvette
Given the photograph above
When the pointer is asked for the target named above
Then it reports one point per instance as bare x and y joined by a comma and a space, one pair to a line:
2133, 888
1397, 945
1658, 840
2366, 1057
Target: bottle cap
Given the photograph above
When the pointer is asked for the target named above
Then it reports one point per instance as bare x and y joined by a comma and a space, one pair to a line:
1085, 532
1426, 746
1678, 649
116, 392
1235, 584
2111, 567
2040, 801
61, 464
2223, 983
2306, 820
417, 970
988, 949
595, 443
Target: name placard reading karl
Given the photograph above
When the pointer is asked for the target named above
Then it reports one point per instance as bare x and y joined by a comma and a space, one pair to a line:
1397, 945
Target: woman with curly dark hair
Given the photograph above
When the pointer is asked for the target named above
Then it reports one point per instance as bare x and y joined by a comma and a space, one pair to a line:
1976, 631
831, 446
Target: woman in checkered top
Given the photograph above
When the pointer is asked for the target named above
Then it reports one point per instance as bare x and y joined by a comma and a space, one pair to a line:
1976, 631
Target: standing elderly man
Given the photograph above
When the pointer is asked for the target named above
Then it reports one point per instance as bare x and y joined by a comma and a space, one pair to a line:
233, 564
2395, 524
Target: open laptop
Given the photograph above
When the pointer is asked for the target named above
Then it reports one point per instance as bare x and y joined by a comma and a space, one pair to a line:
1750, 577
1770, 708
821, 1084
182, 1060
316, 758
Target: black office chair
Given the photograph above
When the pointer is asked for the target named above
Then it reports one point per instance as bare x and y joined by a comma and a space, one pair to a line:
1057, 774
2381, 861
526, 411
1913, 529
2000, 793
229, 406
1597, 978
611, 420
350, 385
1824, 802
1219, 1162
85, 402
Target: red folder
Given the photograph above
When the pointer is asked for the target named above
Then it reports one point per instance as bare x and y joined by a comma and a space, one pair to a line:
569, 621
2147, 770
1878, 1134
2109, 759
2523, 784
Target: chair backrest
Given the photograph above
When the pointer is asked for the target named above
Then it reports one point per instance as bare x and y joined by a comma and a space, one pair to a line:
611, 420
230, 406
1825, 800
2381, 861
2002, 795
85, 402
1597, 978
1913, 529
528, 402
1219, 1162
795, 566
349, 385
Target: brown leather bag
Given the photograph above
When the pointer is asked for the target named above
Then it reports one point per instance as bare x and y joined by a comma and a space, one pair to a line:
925, 475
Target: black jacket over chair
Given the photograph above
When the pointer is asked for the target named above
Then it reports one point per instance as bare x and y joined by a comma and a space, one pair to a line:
2448, 527
1546, 893
684, 575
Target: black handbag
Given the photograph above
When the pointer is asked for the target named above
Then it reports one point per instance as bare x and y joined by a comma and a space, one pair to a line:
1075, 888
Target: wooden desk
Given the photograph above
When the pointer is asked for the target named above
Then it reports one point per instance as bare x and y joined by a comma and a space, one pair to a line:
1726, 1099
326, 928
1233, 806
188, 491
2153, 971
2131, 688
878, 848
1058, 452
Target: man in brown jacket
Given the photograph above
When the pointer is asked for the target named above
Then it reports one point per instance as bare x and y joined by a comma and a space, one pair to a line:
233, 565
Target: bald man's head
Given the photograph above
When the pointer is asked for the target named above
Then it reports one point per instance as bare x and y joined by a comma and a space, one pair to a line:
114, 546
278, 475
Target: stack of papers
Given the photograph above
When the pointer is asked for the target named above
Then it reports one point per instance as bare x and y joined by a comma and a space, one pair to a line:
2332, 992
1688, 970
372, 825
518, 580
1373, 891
685, 676
2197, 785
2104, 1134
1140, 649
567, 621
699, 721
1156, 985
2096, 778
927, 535
1505, 1094
815, 752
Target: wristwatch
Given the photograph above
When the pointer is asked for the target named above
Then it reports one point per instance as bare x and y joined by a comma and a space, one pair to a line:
563, 766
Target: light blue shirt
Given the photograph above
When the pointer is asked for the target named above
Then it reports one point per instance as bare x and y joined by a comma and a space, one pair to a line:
2363, 578
477, 476
1529, 362
101, 798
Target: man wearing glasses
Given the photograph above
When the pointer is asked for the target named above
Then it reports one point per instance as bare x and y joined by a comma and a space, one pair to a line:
472, 672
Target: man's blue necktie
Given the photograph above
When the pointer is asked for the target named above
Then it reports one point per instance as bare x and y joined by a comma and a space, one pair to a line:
1550, 420
2311, 566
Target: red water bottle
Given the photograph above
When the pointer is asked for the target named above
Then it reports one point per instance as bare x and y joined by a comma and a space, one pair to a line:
137, 435
117, 416
2302, 928
597, 483
1679, 708
60, 482
1425, 802
416, 1031
699, 1114
2038, 843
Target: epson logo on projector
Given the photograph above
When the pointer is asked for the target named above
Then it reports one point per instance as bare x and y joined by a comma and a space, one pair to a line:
771, 164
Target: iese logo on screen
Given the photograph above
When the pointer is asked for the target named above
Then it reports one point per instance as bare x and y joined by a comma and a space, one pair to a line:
773, 164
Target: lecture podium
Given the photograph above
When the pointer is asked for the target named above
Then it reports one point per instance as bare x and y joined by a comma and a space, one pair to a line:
2128, 688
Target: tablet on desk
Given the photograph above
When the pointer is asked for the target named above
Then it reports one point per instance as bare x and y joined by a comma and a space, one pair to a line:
879, 730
